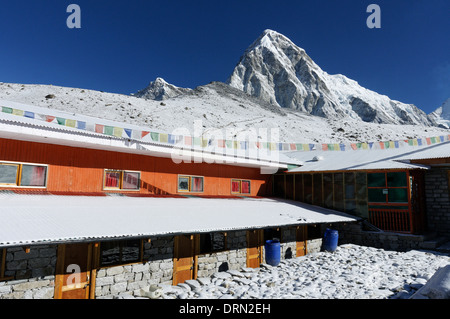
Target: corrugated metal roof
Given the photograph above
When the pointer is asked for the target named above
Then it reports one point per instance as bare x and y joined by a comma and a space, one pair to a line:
368, 159
40, 219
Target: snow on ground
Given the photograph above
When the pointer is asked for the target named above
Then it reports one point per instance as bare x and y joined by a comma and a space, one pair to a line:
351, 272
219, 107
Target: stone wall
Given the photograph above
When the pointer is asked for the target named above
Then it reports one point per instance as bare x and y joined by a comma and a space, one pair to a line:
355, 233
233, 258
157, 268
288, 243
33, 273
438, 201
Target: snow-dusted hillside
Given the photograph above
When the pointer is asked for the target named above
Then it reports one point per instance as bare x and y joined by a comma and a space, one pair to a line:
217, 106
278, 71
442, 114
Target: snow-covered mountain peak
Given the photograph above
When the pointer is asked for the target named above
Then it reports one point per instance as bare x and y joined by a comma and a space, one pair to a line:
442, 114
276, 70
445, 109
160, 90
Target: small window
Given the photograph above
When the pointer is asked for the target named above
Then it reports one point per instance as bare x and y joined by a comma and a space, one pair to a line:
23, 175
8, 174
239, 186
33, 175
120, 252
212, 242
131, 180
193, 184
125, 180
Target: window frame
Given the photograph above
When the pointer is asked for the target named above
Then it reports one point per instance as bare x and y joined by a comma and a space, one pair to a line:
189, 190
240, 186
19, 165
211, 250
120, 187
386, 202
140, 258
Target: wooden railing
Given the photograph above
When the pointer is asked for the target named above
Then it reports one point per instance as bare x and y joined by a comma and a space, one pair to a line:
395, 220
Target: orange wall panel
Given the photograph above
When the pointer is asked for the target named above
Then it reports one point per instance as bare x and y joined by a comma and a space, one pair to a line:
74, 169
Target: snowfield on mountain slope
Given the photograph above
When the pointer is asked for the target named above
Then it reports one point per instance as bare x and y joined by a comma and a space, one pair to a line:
277, 70
207, 108
351, 272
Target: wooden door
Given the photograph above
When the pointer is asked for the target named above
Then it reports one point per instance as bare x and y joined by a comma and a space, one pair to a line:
184, 261
73, 271
301, 238
255, 240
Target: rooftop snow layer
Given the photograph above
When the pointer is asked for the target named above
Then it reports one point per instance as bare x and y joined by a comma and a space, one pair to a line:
397, 158
38, 219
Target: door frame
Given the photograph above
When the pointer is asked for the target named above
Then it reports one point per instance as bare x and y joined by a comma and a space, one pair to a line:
301, 239
193, 254
259, 233
92, 264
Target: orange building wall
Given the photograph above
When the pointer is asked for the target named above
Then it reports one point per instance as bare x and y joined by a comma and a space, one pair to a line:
73, 169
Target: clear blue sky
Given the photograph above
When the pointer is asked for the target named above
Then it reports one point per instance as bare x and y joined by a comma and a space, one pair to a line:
123, 45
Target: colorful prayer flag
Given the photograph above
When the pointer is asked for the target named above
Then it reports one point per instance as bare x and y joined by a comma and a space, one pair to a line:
17, 112
99, 128
71, 123
108, 130
29, 114
61, 121
118, 131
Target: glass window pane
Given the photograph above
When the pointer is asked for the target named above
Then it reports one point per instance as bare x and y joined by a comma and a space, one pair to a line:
197, 184
8, 174
307, 184
289, 186
396, 179
339, 191
299, 187
317, 197
398, 195
33, 175
112, 179
361, 186
376, 195
328, 190
349, 185
245, 185
131, 180
235, 186
376, 180
183, 183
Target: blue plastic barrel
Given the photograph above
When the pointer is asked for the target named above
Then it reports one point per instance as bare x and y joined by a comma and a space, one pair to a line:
330, 240
272, 249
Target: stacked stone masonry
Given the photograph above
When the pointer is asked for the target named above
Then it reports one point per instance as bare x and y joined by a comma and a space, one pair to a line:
437, 192
31, 275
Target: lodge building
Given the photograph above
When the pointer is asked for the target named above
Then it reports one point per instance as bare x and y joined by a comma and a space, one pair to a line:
86, 214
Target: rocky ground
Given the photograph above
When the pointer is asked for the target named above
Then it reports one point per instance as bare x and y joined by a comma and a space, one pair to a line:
351, 272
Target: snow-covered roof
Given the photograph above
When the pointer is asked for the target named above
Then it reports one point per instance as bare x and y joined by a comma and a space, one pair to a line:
40, 219
393, 158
